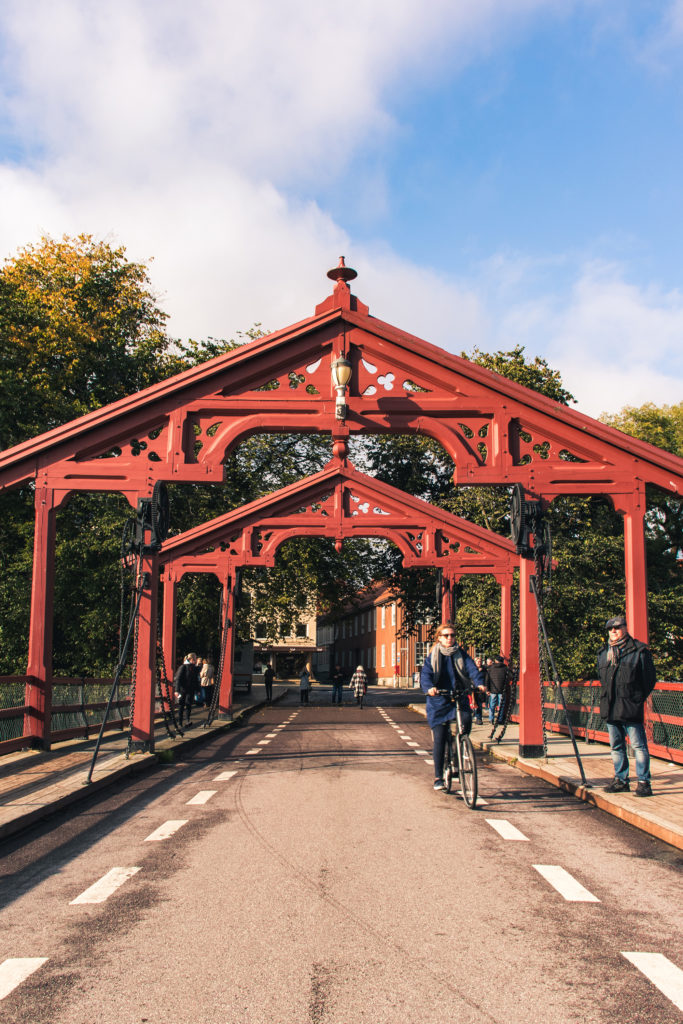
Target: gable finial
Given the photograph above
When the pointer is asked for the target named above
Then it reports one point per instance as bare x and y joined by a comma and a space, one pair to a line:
341, 272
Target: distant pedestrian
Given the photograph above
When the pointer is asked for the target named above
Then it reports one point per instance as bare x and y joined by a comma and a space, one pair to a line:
304, 685
206, 676
627, 678
337, 684
497, 680
186, 683
478, 696
268, 677
359, 684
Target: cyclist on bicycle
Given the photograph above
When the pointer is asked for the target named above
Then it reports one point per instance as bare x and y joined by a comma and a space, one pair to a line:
447, 667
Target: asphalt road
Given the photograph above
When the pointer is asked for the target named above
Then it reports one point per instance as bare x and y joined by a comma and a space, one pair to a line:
316, 878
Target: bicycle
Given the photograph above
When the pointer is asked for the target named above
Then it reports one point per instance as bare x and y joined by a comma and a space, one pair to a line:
464, 764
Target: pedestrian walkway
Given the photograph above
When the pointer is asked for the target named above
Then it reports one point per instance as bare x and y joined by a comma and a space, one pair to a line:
660, 815
35, 783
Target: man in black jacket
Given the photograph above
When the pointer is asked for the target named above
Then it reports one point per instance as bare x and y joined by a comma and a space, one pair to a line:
186, 682
627, 677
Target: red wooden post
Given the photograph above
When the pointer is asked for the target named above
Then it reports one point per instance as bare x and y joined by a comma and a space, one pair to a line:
530, 720
635, 561
168, 622
448, 585
38, 716
506, 616
145, 678
225, 681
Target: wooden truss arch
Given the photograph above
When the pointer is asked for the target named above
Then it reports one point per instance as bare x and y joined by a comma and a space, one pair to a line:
181, 430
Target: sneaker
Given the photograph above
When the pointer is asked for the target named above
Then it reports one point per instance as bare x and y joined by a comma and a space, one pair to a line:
643, 789
438, 785
617, 786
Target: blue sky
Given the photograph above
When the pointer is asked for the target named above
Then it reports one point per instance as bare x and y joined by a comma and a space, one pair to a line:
499, 172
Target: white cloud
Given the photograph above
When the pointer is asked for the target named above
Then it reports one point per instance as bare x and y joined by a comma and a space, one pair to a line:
179, 130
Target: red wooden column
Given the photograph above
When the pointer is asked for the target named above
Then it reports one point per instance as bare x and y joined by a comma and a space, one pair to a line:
530, 720
449, 582
506, 615
635, 561
38, 715
225, 681
168, 621
145, 676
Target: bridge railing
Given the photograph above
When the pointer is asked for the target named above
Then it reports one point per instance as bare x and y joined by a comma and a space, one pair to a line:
78, 707
663, 716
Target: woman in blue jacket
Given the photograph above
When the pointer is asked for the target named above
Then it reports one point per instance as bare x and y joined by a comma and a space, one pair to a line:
447, 667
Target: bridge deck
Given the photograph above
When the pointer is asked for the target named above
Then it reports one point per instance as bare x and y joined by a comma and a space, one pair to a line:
34, 784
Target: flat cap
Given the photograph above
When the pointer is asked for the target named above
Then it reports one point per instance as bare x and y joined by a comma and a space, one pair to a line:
617, 621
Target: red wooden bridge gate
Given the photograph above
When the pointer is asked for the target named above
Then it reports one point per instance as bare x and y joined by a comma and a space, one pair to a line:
340, 372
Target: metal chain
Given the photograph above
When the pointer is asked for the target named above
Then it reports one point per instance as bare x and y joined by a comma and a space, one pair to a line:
167, 700
544, 669
134, 666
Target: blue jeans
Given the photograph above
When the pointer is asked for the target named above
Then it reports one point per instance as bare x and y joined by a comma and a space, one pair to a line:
618, 731
496, 700
337, 692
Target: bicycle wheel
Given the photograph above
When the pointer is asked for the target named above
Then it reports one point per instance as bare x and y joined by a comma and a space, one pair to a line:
448, 764
468, 772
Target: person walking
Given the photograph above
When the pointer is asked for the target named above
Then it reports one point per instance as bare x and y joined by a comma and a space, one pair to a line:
207, 680
447, 667
497, 678
359, 684
304, 685
186, 683
478, 696
337, 684
627, 678
268, 677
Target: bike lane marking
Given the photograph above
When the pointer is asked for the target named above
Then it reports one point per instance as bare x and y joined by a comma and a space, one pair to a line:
224, 776
664, 974
506, 830
165, 831
250, 753
202, 797
565, 883
17, 969
101, 890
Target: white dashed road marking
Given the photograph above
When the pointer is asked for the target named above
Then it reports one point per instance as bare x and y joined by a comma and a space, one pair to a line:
263, 743
16, 970
661, 972
271, 735
203, 796
565, 884
224, 776
256, 750
421, 753
506, 829
413, 744
108, 884
165, 831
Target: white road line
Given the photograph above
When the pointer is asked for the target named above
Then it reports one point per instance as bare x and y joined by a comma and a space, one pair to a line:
271, 735
108, 884
411, 743
429, 760
256, 750
18, 969
565, 884
506, 829
263, 743
481, 802
421, 753
224, 776
165, 831
661, 972
203, 796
